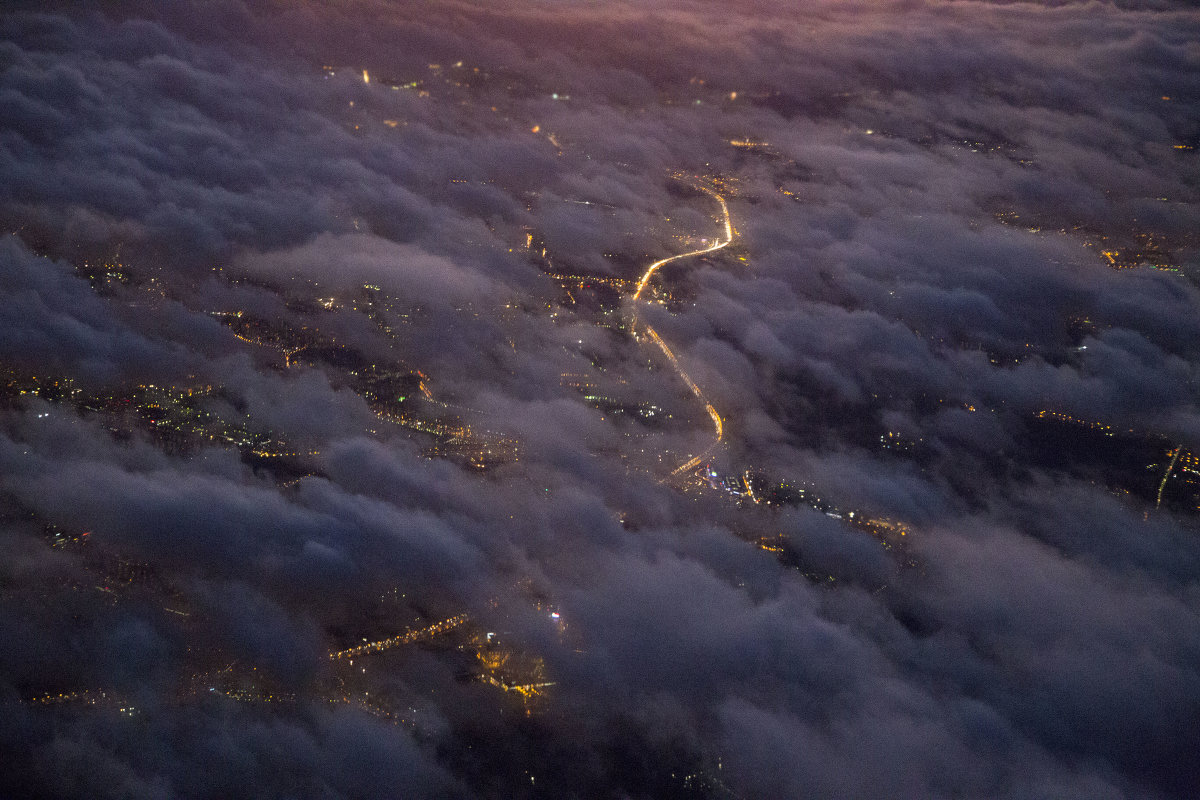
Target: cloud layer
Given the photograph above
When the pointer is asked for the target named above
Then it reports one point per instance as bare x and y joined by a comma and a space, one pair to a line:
334, 245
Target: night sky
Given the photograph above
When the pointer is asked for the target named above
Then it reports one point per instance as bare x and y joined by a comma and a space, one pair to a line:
345, 453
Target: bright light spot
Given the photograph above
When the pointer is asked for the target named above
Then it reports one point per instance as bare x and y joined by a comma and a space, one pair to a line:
366, 77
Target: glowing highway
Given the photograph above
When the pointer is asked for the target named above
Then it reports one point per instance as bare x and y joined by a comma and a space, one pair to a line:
719, 244
407, 637
718, 424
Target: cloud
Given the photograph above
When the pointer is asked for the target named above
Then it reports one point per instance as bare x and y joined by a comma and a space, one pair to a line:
923, 194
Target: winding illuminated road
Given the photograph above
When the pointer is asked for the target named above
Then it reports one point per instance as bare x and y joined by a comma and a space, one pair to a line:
718, 424
720, 244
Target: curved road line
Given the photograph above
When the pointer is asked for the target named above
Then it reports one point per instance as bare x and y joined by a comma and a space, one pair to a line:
728, 238
718, 424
